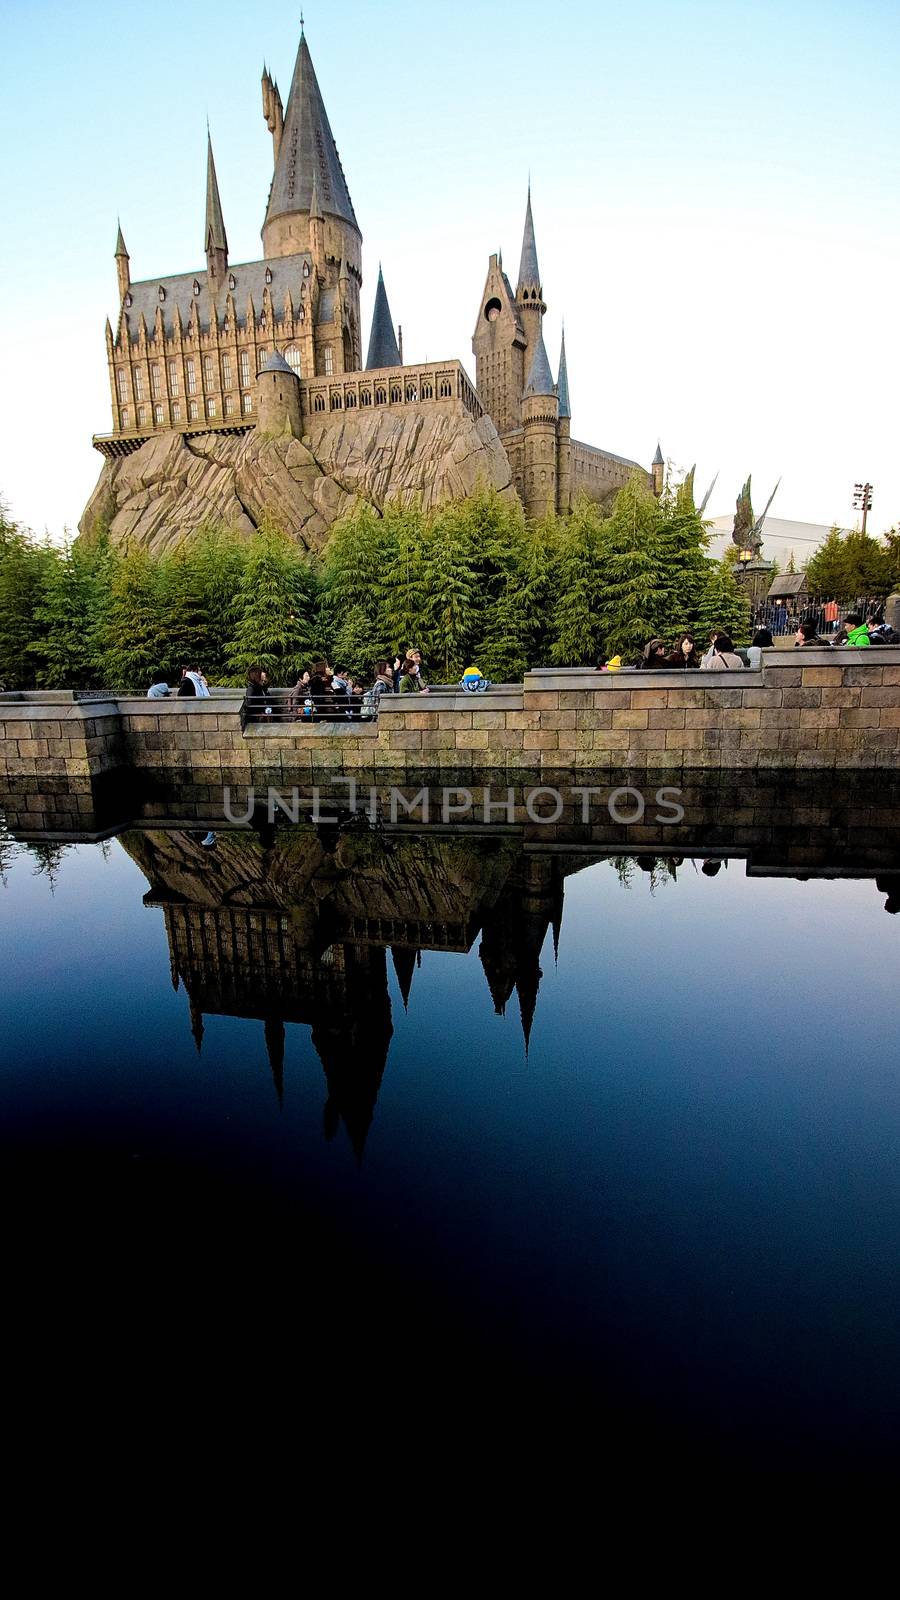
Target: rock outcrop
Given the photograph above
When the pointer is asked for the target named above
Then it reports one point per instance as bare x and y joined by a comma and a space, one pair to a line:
162, 493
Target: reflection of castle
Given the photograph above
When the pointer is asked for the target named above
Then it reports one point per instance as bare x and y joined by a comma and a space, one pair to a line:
299, 932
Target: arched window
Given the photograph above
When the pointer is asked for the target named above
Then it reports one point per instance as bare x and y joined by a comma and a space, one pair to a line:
412, 392
351, 401
142, 416
301, 312
365, 397
154, 380
229, 405
162, 294
292, 357
232, 281
191, 373
262, 356
138, 383
446, 390
306, 269
336, 402
126, 420
244, 360
380, 396
158, 416
427, 392
396, 394
176, 410
226, 370
173, 377
129, 301
246, 404
328, 360
192, 411
121, 385
211, 406
209, 374
319, 403
268, 274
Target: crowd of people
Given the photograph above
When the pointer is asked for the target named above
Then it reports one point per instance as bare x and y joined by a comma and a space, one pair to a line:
722, 655
331, 694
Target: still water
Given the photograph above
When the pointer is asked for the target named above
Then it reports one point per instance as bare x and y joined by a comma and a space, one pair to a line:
517, 1131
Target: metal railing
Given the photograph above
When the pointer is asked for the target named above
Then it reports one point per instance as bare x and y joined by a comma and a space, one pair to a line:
296, 706
827, 612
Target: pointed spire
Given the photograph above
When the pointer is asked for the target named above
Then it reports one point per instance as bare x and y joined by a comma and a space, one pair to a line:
123, 270
383, 348
562, 386
529, 272
540, 378
404, 965
307, 150
658, 458
120, 243
215, 224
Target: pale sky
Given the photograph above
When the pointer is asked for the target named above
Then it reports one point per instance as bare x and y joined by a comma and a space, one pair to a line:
715, 191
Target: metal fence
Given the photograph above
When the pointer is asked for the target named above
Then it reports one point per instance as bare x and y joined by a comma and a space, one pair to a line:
294, 705
826, 612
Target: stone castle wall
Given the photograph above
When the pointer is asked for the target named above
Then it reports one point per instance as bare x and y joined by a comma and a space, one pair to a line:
820, 711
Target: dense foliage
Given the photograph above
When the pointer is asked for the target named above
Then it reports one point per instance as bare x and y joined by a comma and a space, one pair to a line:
470, 583
849, 564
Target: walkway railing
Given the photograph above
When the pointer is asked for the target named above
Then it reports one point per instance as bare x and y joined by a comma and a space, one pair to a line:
827, 612
295, 706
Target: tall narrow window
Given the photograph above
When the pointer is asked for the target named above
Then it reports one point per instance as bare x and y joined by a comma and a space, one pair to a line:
246, 404
245, 367
121, 385
138, 383
142, 416
158, 415
226, 371
191, 371
192, 411
154, 380
328, 360
126, 420
261, 357
229, 405
209, 381
211, 407
176, 410
173, 377
292, 357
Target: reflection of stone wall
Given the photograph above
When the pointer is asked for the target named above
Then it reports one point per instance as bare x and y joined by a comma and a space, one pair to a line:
827, 709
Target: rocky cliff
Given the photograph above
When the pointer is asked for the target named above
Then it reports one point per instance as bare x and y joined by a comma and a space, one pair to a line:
159, 495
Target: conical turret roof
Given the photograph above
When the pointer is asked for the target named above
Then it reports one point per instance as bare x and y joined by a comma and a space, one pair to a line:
308, 150
383, 348
120, 243
562, 386
540, 378
215, 223
658, 458
529, 271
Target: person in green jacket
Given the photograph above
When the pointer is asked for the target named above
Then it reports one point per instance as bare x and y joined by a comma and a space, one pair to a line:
857, 632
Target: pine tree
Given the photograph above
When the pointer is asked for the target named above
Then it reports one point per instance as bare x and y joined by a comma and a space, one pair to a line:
721, 604
220, 557
515, 630
399, 584
575, 623
275, 610
132, 638
70, 612
449, 582
352, 579
24, 565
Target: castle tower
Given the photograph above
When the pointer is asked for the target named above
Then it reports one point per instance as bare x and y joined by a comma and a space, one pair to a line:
529, 297
563, 435
216, 245
278, 398
498, 344
383, 348
310, 210
658, 471
123, 271
540, 419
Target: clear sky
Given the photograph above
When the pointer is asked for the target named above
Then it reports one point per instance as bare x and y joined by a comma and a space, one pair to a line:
715, 192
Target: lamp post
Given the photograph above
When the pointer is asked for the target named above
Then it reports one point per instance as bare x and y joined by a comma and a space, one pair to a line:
862, 500
744, 558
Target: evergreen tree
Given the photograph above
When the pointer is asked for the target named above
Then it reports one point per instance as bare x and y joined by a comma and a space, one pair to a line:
275, 610
24, 565
847, 565
721, 604
132, 638
399, 584
449, 584
515, 630
353, 573
575, 624
70, 612
220, 559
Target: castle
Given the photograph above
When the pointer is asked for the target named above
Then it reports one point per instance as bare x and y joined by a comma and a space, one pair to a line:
273, 347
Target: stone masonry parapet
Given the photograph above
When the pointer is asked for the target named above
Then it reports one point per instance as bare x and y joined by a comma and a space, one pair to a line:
802, 710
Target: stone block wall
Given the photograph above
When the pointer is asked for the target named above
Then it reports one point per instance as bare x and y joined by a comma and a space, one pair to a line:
818, 709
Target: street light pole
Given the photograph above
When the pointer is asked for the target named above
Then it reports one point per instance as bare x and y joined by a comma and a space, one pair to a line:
862, 501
